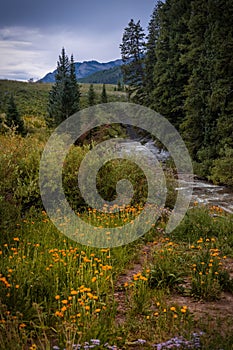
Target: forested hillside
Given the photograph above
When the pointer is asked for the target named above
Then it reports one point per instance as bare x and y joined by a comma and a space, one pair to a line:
185, 72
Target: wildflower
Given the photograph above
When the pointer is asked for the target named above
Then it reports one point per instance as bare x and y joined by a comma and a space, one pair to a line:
94, 279
64, 308
95, 342
97, 311
16, 239
173, 308
183, 310
22, 325
64, 301
73, 292
33, 347
175, 316
57, 297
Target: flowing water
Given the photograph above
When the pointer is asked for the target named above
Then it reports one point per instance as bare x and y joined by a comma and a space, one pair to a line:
204, 192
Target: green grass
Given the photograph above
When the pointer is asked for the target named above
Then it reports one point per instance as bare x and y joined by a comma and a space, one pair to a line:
32, 98
54, 291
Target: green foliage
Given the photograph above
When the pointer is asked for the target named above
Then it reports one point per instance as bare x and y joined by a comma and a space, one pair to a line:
106, 76
132, 52
167, 270
170, 72
151, 45
187, 75
91, 95
208, 278
13, 119
221, 172
104, 97
19, 189
64, 96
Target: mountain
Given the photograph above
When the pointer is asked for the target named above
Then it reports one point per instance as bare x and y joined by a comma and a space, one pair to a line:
85, 69
107, 76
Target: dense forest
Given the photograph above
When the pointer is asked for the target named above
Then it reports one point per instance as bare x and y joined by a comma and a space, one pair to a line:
183, 69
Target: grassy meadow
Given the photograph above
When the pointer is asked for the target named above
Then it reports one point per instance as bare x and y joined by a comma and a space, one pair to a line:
161, 291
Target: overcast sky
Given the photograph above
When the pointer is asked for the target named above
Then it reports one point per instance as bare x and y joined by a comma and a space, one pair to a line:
32, 32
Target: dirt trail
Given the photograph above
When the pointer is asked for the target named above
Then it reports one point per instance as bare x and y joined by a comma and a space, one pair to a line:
206, 311
127, 277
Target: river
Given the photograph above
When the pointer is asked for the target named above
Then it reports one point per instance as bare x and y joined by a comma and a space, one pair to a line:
204, 192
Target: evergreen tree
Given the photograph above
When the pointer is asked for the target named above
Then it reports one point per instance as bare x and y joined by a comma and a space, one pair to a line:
104, 97
150, 58
119, 86
13, 118
75, 90
171, 72
64, 96
132, 52
91, 95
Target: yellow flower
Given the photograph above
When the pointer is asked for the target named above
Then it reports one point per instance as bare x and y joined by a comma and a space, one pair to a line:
87, 307
16, 239
97, 311
93, 279
173, 308
73, 292
64, 301
183, 310
22, 325
57, 297
64, 308
156, 314
175, 316
164, 310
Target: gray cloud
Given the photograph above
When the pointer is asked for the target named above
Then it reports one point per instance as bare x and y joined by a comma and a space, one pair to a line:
33, 33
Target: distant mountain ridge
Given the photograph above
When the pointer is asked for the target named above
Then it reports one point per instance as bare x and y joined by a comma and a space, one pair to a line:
87, 68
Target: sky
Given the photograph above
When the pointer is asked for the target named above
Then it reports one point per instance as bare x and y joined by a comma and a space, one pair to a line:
32, 33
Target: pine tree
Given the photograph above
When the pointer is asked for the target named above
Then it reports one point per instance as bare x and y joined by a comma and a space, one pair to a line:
171, 73
75, 90
150, 57
91, 95
132, 52
64, 96
104, 97
13, 119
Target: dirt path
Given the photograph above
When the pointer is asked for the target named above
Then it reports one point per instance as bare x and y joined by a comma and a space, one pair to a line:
205, 311
127, 277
